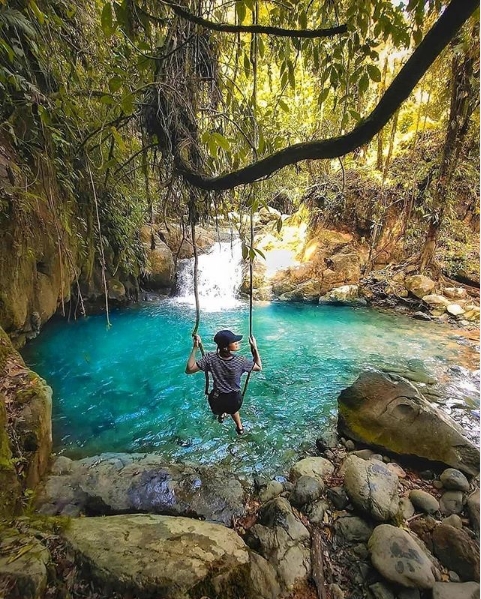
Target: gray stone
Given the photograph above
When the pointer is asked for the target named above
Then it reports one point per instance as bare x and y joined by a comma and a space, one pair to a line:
451, 502
336, 591
419, 285
273, 489
316, 511
120, 483
353, 529
457, 551
423, 501
451, 590
338, 497
454, 479
473, 510
263, 578
381, 591
62, 465
408, 594
453, 577
316, 467
349, 445
389, 412
364, 454
162, 556
399, 559
406, 508
453, 520
371, 487
306, 490
25, 575
361, 551
284, 541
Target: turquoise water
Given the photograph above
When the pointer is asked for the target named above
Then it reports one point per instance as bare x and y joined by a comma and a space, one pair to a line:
124, 389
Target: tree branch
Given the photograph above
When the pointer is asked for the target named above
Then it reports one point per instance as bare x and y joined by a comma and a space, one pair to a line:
454, 16
277, 31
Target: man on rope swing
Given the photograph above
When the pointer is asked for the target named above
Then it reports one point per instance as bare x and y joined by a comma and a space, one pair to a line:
227, 369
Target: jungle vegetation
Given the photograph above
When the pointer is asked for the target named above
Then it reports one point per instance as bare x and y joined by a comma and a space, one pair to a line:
138, 111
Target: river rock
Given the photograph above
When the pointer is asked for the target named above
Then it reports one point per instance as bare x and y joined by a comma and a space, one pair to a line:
25, 576
344, 294
399, 559
338, 497
453, 590
316, 511
419, 285
388, 412
453, 520
284, 541
160, 269
451, 502
424, 502
319, 468
454, 310
161, 556
124, 483
455, 292
307, 489
272, 489
454, 479
457, 551
406, 508
371, 487
473, 510
353, 529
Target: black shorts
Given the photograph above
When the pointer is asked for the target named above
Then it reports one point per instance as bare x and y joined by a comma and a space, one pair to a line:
228, 403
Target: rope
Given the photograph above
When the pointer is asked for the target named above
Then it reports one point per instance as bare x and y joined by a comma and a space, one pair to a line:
251, 271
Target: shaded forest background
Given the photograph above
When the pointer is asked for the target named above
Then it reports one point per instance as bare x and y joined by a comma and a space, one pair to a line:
101, 102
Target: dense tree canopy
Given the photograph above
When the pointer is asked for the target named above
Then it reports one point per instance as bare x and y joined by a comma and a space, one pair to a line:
142, 107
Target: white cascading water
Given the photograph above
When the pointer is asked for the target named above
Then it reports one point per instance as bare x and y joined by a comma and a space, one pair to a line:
219, 277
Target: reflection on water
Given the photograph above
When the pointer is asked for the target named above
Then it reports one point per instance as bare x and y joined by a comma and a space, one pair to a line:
124, 388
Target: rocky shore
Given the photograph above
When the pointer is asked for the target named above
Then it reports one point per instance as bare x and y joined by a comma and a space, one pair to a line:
382, 512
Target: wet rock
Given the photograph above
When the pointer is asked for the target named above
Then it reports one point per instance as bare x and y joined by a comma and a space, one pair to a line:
423, 528
307, 489
371, 487
336, 591
396, 469
454, 480
451, 502
319, 468
162, 556
381, 591
364, 454
457, 551
399, 559
121, 483
62, 465
450, 590
389, 412
263, 578
344, 294
421, 316
424, 502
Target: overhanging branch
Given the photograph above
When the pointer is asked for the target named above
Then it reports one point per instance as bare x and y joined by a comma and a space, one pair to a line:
277, 31
454, 16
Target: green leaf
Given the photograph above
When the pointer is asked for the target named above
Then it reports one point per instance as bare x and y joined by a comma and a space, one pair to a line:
118, 138
260, 252
241, 11
37, 12
115, 83
245, 251
283, 105
127, 103
107, 100
260, 46
292, 76
374, 72
355, 115
303, 19
247, 65
363, 83
323, 96
106, 19
279, 225
221, 141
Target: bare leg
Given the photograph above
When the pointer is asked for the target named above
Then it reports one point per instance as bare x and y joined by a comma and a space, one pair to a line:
237, 420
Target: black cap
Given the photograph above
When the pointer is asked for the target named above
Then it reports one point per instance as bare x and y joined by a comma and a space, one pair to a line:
224, 338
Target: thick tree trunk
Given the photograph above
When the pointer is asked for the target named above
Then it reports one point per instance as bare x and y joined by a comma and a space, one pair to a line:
463, 103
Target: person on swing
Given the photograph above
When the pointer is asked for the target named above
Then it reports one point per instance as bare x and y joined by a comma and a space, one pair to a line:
227, 369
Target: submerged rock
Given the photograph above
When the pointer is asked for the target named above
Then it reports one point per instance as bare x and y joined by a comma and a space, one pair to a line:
388, 412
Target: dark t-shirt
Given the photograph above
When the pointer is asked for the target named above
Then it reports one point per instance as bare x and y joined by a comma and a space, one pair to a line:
226, 373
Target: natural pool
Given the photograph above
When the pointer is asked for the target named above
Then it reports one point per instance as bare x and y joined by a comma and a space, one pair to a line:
124, 389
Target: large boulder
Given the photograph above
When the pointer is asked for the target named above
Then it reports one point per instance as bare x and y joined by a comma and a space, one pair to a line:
163, 557
457, 551
388, 412
159, 271
419, 285
126, 483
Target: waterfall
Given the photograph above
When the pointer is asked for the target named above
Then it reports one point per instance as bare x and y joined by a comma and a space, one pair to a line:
219, 277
